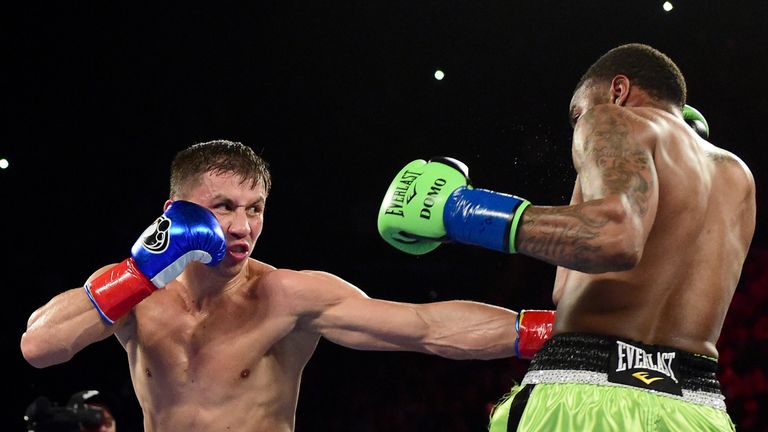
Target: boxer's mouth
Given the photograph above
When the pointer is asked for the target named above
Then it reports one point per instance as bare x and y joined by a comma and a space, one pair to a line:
239, 250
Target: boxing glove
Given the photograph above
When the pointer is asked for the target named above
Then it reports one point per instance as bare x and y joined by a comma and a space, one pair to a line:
186, 232
429, 203
534, 327
696, 120
411, 213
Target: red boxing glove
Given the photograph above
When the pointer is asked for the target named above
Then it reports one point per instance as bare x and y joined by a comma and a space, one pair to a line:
118, 289
534, 327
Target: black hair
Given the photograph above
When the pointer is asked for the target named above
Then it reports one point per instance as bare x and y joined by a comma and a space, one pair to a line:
646, 66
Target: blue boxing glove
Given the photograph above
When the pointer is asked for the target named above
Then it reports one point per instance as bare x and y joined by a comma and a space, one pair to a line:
186, 232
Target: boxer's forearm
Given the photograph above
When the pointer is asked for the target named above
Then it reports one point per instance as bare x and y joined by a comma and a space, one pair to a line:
594, 237
61, 328
469, 330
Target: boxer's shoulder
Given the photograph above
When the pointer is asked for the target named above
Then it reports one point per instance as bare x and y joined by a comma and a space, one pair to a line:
268, 279
265, 281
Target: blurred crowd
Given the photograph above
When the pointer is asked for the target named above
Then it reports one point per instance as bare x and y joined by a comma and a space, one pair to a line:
743, 347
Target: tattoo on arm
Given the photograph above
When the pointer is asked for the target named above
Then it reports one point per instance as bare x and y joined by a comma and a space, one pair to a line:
613, 162
562, 235
719, 157
623, 166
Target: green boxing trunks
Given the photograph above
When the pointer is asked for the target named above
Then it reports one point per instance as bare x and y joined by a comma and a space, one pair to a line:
586, 382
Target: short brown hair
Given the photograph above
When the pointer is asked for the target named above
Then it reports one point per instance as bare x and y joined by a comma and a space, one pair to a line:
218, 156
648, 67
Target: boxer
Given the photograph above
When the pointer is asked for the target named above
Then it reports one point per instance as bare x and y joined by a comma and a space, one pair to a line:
648, 253
216, 340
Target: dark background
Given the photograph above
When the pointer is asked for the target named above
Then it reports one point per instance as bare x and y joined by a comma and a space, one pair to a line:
337, 96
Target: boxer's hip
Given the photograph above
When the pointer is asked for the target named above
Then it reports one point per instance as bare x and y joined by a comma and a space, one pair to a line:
592, 382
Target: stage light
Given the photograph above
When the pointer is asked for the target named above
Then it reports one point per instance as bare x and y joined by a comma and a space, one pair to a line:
4, 163
439, 75
667, 6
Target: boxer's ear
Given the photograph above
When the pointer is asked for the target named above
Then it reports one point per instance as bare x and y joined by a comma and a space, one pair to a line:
619, 91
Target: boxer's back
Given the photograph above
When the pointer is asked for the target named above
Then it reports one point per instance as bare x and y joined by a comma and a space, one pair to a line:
679, 292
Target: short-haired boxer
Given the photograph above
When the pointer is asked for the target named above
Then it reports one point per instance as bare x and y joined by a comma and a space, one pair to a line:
648, 253
216, 340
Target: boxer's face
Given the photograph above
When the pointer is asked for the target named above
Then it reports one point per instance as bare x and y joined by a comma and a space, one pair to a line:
586, 97
238, 207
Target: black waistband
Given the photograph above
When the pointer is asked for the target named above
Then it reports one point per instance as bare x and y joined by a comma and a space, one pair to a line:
589, 352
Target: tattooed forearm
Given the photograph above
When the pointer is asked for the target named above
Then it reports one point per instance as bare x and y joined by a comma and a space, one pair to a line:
566, 236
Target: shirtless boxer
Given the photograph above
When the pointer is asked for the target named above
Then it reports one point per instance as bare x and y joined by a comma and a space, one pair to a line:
217, 340
648, 254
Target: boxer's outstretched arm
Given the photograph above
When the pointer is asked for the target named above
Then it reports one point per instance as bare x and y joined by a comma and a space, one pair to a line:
456, 329
335, 309
62, 327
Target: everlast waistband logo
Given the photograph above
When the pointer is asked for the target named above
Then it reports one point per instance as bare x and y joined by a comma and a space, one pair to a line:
645, 366
643, 376
429, 201
631, 357
399, 196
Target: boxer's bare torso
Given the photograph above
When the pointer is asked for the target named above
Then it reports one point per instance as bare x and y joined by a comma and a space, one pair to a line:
229, 362
692, 207
222, 347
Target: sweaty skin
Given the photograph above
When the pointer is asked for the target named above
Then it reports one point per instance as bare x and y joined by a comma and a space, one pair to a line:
223, 348
660, 221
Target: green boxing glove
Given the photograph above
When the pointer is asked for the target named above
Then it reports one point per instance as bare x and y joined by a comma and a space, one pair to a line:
429, 203
411, 214
696, 120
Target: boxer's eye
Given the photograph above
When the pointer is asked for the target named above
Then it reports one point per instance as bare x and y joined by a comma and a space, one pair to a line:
222, 207
575, 119
255, 210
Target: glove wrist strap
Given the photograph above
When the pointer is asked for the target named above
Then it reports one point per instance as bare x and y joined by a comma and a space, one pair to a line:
117, 290
484, 218
534, 327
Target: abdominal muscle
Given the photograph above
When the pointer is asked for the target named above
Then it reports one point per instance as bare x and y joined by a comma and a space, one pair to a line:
216, 397
237, 369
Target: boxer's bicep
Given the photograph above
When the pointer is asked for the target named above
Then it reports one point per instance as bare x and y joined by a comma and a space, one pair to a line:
614, 158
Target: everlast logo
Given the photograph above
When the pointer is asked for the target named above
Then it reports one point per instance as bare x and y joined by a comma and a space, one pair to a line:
632, 357
399, 197
645, 366
429, 201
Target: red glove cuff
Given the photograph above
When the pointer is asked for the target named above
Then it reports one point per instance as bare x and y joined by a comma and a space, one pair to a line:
534, 327
119, 289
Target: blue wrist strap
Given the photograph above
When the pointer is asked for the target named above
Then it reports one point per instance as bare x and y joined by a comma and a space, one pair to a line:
517, 330
483, 218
